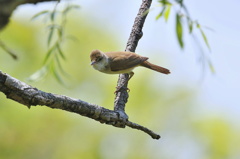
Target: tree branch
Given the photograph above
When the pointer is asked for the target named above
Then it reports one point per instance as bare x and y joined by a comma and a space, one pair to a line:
30, 96
8, 6
136, 34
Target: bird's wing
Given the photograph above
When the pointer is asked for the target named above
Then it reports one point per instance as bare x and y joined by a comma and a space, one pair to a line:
124, 60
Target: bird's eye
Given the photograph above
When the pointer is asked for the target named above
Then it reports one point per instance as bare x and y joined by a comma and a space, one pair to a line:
99, 59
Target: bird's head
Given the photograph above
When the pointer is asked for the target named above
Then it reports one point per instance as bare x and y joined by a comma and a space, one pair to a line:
96, 56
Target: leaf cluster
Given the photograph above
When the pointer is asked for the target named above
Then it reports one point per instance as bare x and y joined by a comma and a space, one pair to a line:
55, 39
183, 19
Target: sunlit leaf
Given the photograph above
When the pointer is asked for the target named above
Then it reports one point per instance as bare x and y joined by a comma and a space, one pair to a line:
161, 13
60, 32
211, 67
50, 35
179, 30
190, 26
198, 25
60, 51
56, 75
204, 36
56, 27
40, 74
71, 37
50, 51
60, 67
205, 39
164, 2
52, 15
167, 13
40, 14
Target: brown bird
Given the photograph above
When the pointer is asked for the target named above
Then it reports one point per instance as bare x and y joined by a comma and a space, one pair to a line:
121, 62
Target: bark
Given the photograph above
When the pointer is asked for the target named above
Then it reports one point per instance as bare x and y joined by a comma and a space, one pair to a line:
8, 6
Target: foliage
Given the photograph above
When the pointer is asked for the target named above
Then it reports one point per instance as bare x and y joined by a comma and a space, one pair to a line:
54, 55
183, 19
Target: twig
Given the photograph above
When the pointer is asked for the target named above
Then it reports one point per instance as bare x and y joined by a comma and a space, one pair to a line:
142, 128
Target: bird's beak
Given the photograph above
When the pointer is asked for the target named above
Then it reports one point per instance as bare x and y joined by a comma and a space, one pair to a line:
93, 62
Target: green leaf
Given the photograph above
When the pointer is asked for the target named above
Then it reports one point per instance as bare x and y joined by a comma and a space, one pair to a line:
164, 2
56, 75
53, 27
198, 25
38, 75
50, 51
190, 26
167, 13
53, 15
179, 30
205, 39
204, 36
161, 13
40, 14
60, 51
211, 67
50, 35
60, 67
60, 32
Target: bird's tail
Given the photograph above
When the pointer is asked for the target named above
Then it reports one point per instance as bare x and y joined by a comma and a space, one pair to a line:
155, 67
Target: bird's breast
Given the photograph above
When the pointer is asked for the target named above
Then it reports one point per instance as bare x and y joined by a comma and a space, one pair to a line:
106, 69
100, 67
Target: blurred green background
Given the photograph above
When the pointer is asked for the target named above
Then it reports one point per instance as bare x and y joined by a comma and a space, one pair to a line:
172, 111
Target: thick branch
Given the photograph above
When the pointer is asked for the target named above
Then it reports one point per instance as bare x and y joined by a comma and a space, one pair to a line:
135, 36
30, 96
8, 6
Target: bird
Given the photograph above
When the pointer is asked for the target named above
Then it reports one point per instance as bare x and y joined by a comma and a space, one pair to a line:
121, 62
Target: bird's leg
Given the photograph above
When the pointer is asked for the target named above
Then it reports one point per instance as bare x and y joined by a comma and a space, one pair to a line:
120, 87
130, 76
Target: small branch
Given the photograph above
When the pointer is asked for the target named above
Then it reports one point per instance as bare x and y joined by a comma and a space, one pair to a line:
30, 96
136, 34
122, 96
146, 130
